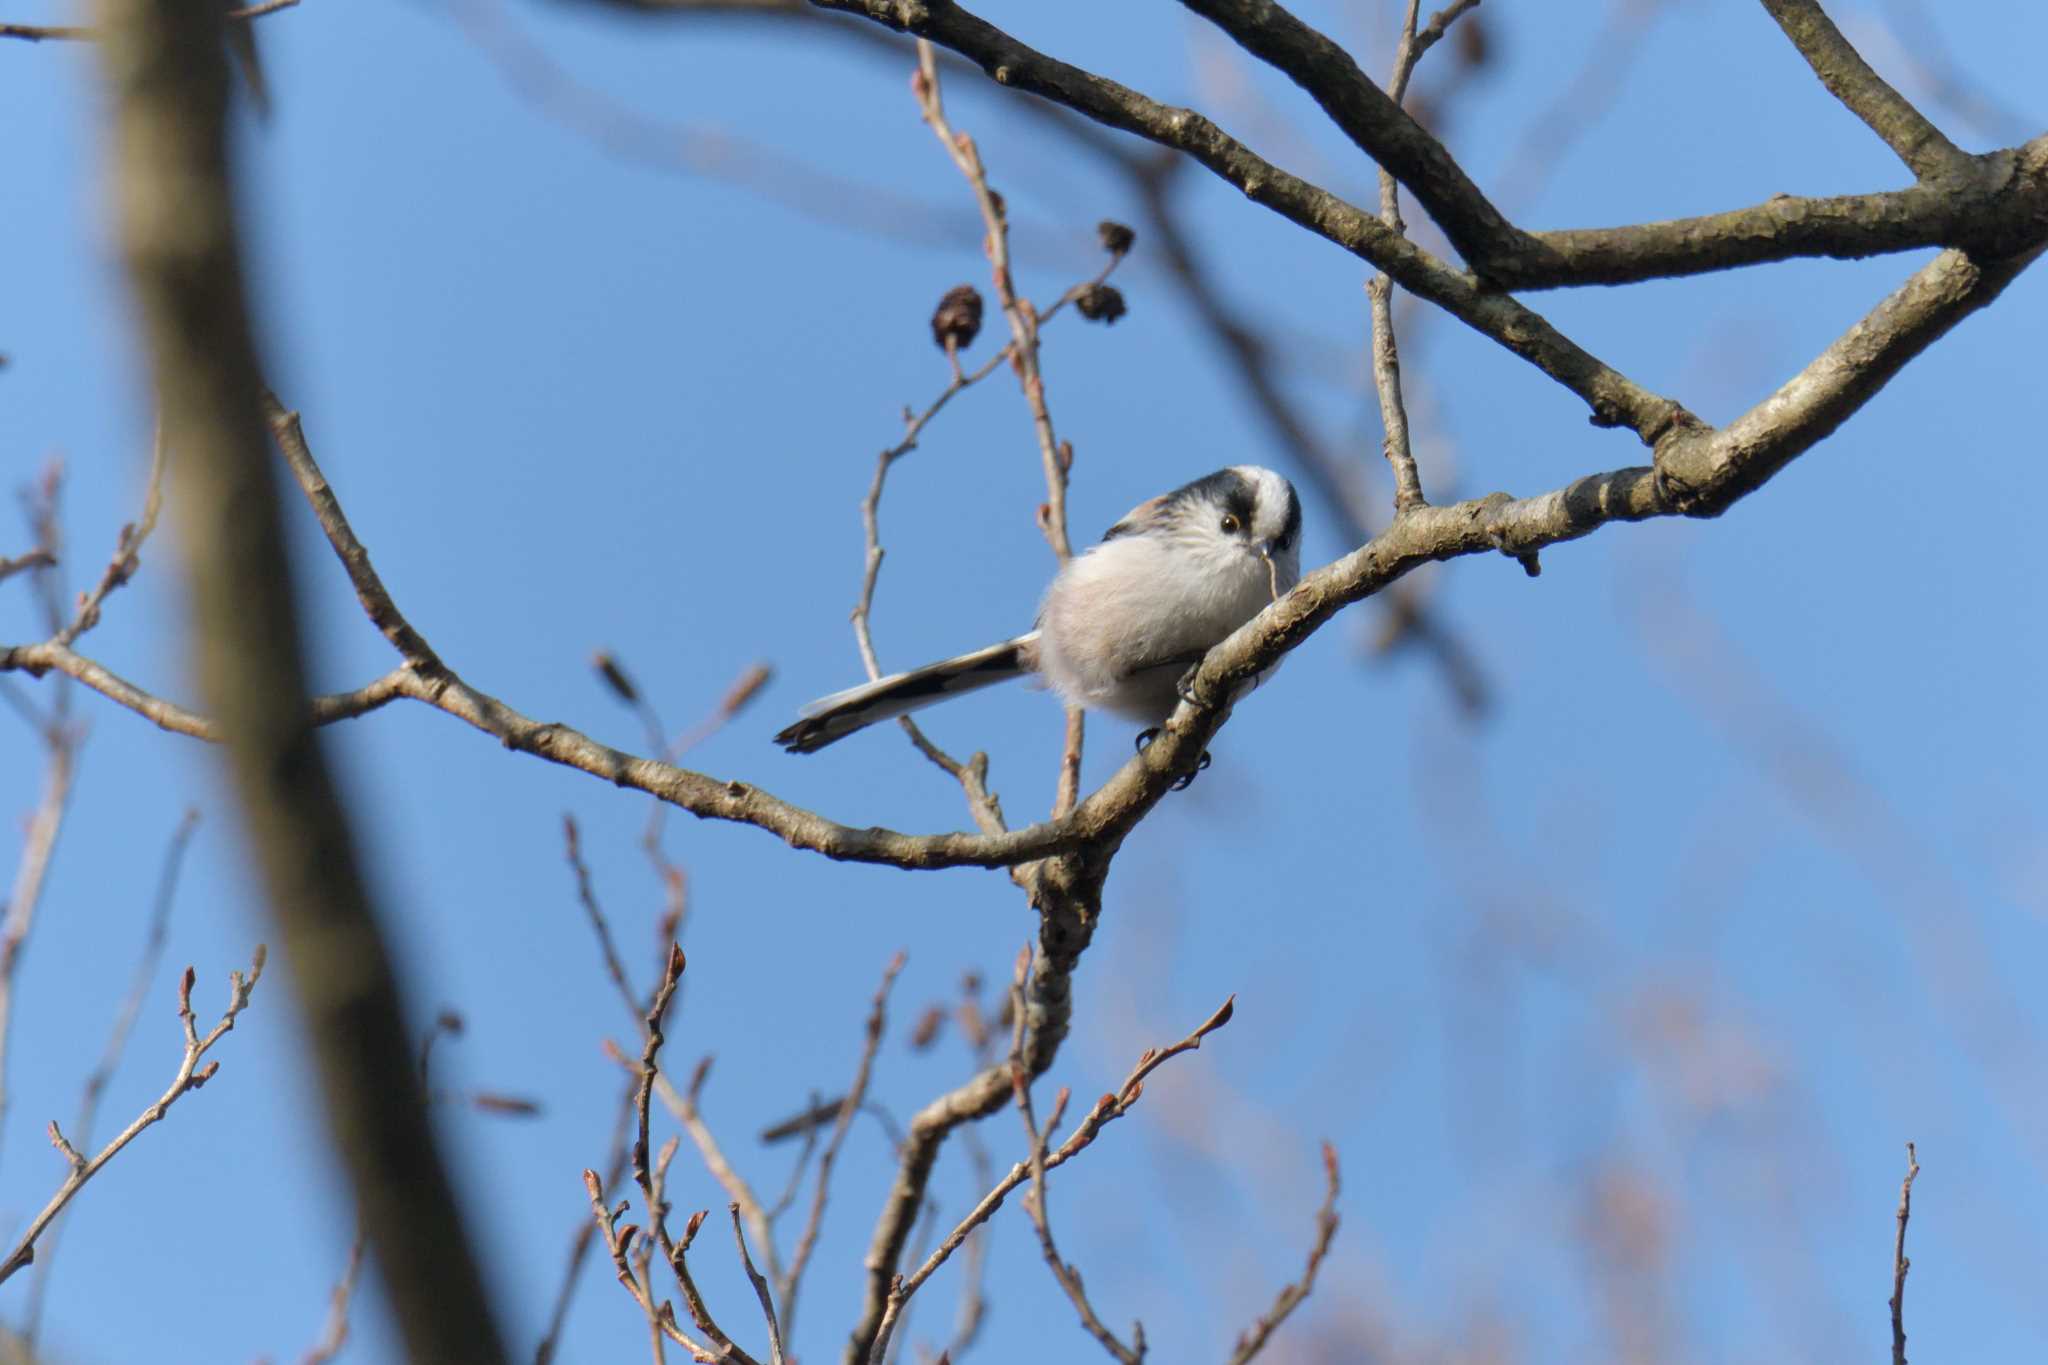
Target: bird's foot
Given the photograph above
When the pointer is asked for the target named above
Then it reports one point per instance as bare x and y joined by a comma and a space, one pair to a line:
1185, 687
1201, 765
1145, 738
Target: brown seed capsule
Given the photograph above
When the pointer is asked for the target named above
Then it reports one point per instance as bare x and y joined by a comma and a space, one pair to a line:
1116, 238
1101, 303
958, 319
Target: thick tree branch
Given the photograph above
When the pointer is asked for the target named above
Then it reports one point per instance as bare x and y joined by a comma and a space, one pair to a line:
168, 86
1614, 398
1700, 472
1984, 210
1999, 208
1375, 123
1924, 148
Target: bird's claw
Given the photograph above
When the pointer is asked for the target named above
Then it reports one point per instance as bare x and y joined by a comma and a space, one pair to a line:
1201, 764
1145, 738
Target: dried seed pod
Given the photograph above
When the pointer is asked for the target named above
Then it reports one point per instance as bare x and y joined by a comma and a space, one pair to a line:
1116, 238
958, 319
1101, 303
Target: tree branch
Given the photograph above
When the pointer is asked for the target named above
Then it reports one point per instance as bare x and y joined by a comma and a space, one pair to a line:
1700, 472
1900, 1263
190, 1076
1924, 148
1375, 123
168, 86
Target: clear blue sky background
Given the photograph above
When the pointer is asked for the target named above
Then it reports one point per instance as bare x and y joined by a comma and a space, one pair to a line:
1738, 886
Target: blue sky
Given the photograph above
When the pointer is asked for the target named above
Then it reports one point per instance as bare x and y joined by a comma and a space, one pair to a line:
1737, 887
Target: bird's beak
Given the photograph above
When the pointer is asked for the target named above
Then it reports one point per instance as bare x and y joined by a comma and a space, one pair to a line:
1264, 550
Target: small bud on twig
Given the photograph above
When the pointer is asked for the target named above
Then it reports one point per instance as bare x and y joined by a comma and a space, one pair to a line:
614, 674
745, 689
957, 320
1116, 238
926, 1031
1473, 47
1103, 303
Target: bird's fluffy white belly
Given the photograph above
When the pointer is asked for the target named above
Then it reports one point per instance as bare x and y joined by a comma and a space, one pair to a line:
1123, 622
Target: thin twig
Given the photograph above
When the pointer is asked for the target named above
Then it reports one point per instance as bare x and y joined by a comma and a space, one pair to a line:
1105, 1111
684, 1105
34, 559
1035, 1204
117, 1043
190, 1076
787, 1286
336, 1336
973, 1310
618, 1241
32, 875
127, 548
760, 1288
607, 947
920, 1242
579, 1242
1900, 1263
1386, 358
1057, 456
1255, 1337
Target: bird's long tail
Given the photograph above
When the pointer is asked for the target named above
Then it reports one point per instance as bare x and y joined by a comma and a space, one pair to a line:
833, 718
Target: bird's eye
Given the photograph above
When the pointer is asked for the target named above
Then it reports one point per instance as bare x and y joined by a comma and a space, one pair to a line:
1230, 524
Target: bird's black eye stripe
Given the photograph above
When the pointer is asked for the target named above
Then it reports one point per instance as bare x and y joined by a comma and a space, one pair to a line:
1291, 531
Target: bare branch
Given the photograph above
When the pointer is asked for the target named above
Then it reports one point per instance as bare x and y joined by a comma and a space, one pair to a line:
579, 1242
1290, 1297
34, 559
190, 1076
619, 1242
684, 1105
1105, 1111
1386, 356
1701, 471
127, 549
760, 1288
1900, 1264
117, 1043
1035, 1204
1926, 151
175, 220
1373, 121
1614, 399
31, 875
336, 1335
786, 1288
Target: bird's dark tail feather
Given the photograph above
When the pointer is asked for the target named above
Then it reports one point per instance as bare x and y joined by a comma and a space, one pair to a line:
833, 718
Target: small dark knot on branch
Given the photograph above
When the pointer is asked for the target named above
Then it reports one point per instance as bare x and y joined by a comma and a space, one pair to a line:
1103, 303
957, 321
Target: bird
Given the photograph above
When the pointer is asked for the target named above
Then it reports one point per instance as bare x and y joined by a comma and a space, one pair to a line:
1124, 622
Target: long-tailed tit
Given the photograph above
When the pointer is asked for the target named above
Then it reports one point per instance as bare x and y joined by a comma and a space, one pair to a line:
1123, 622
